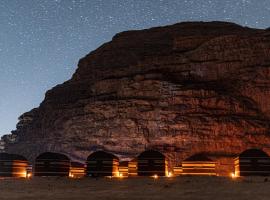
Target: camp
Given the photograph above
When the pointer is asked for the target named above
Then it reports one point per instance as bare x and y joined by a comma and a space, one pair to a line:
152, 163
12, 165
101, 163
199, 164
252, 162
52, 164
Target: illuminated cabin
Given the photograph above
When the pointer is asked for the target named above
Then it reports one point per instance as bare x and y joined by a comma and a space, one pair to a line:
52, 164
101, 163
133, 168
152, 163
177, 170
123, 169
199, 164
252, 162
77, 170
29, 170
12, 165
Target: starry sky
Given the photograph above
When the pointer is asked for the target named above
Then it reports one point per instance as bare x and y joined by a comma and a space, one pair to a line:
41, 41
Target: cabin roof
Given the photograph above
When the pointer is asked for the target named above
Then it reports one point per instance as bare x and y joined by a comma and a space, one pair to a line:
151, 154
253, 153
51, 155
77, 164
101, 155
7, 156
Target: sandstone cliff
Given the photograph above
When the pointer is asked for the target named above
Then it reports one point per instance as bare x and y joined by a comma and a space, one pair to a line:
181, 89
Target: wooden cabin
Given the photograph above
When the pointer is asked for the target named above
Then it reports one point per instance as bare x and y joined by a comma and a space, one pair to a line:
252, 162
199, 164
101, 163
123, 169
177, 170
52, 164
29, 171
12, 165
152, 163
133, 168
77, 170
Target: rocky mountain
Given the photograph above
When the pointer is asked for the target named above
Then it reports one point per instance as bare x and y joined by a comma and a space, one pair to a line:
182, 89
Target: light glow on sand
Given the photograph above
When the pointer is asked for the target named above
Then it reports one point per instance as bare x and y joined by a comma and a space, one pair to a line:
120, 175
169, 174
233, 176
71, 175
29, 175
155, 176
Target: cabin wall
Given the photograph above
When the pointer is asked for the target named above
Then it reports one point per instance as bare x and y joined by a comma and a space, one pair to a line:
150, 167
225, 166
77, 172
199, 168
50, 167
13, 168
123, 171
177, 171
252, 166
109, 167
132, 168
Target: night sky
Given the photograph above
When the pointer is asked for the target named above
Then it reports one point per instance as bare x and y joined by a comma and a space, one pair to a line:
41, 41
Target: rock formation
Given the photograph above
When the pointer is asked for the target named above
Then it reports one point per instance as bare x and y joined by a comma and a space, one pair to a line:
182, 89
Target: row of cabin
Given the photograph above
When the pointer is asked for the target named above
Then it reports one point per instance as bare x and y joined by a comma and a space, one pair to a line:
252, 162
148, 163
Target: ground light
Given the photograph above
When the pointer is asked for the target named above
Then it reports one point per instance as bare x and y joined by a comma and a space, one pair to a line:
119, 175
233, 176
155, 176
169, 174
71, 175
29, 175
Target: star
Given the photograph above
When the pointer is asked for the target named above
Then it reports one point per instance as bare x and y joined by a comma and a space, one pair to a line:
41, 41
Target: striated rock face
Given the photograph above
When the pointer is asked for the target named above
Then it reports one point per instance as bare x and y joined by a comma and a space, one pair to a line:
181, 89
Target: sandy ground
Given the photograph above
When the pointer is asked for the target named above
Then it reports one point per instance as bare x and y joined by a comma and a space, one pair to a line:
190, 188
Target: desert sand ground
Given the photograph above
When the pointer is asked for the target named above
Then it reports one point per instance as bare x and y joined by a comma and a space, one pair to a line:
191, 188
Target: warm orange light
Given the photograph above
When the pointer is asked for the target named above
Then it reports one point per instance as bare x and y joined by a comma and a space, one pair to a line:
233, 175
24, 174
155, 176
71, 175
169, 174
29, 175
119, 175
